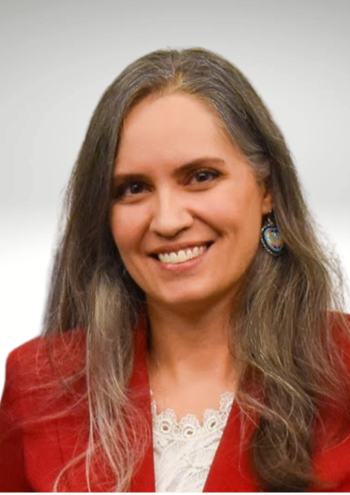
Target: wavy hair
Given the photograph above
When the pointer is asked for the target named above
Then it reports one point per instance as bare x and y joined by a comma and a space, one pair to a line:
281, 335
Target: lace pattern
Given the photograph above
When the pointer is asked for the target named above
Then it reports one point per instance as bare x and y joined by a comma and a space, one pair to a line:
184, 450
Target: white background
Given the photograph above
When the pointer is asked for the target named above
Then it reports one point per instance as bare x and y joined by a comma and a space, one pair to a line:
58, 57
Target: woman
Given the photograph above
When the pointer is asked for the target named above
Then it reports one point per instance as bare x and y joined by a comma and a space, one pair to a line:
189, 283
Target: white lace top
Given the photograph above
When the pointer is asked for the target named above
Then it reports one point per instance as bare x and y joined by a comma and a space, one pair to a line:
184, 450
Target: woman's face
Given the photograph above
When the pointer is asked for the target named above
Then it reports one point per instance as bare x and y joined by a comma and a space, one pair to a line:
187, 210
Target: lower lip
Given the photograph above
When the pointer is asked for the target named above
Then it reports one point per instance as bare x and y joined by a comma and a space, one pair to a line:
185, 265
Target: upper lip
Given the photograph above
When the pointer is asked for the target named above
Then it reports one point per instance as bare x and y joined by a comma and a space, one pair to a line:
173, 248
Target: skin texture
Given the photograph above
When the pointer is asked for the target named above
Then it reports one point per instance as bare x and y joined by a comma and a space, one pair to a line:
171, 206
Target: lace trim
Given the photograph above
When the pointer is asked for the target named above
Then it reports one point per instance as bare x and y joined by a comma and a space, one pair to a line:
166, 423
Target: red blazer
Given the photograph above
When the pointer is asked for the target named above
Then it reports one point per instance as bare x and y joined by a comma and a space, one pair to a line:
32, 456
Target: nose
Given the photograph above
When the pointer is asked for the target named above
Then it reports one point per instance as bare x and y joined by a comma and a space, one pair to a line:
170, 214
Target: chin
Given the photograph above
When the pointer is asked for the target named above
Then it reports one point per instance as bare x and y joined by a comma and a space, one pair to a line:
186, 301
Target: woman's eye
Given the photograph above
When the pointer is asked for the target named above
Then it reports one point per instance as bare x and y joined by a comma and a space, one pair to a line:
135, 188
129, 189
205, 175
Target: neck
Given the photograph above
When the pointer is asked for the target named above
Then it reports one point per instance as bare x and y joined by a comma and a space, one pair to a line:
190, 344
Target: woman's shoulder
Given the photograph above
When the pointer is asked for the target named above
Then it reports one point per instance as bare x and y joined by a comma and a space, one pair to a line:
60, 341
45, 359
337, 319
44, 393
340, 331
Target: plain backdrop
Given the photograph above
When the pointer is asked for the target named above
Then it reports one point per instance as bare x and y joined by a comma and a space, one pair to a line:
58, 57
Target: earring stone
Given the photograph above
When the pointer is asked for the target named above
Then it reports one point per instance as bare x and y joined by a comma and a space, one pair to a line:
271, 238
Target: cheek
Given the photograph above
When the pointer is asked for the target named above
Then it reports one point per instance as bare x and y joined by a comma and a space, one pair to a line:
122, 229
235, 209
241, 219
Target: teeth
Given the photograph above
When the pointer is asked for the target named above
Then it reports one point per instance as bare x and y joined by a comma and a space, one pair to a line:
173, 257
182, 255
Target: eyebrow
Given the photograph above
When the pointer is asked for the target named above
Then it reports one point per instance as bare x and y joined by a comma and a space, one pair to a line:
203, 161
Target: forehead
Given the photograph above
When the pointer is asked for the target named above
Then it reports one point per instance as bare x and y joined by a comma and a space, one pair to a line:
165, 127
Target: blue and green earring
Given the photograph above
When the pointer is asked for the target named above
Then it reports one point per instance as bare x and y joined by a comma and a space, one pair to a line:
271, 238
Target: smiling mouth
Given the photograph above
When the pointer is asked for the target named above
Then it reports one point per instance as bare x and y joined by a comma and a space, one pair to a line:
182, 255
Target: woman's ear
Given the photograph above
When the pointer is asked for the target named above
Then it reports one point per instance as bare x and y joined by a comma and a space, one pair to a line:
267, 200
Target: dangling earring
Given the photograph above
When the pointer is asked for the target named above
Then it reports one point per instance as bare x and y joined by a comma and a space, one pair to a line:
271, 238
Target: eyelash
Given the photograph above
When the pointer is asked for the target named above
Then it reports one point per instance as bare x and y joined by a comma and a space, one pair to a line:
121, 190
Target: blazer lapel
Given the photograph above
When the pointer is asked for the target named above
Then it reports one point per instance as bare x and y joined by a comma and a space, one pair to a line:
230, 470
